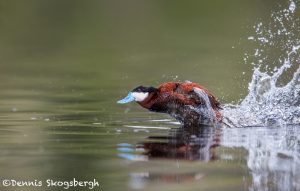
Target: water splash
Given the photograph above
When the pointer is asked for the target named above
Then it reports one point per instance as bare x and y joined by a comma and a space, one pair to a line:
274, 91
292, 6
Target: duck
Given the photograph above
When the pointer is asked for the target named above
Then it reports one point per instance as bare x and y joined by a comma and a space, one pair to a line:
189, 103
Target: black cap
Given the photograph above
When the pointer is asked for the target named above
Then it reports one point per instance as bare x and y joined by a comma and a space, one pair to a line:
144, 89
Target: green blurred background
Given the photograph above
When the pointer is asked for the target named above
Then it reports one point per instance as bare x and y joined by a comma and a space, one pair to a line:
122, 44
64, 63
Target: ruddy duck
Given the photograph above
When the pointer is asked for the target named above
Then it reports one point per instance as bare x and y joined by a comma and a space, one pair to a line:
189, 103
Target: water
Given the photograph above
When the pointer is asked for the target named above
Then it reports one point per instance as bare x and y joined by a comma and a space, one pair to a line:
273, 164
64, 65
270, 111
274, 93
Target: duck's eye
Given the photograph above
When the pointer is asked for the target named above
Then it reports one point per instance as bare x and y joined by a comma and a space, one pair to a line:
140, 89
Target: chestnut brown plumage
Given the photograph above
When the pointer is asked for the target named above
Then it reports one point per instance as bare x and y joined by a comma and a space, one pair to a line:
190, 103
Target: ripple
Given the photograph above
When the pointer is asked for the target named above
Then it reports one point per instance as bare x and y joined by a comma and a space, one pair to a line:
146, 127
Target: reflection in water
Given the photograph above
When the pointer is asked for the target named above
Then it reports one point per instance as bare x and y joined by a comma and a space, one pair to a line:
185, 143
188, 143
139, 180
273, 155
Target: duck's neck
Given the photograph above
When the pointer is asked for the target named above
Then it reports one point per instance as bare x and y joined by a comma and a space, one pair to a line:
148, 102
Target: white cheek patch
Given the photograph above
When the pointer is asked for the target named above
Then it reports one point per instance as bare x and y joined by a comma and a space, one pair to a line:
140, 96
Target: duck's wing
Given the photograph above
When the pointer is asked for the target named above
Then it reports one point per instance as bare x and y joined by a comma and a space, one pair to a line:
212, 99
198, 94
209, 98
204, 97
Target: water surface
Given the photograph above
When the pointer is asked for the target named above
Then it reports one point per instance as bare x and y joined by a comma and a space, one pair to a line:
63, 66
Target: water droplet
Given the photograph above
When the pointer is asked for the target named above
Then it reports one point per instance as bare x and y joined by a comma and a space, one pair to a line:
292, 6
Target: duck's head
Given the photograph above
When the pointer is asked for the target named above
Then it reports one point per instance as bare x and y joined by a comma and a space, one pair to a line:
139, 94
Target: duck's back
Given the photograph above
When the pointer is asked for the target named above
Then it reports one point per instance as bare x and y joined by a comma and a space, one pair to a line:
187, 94
186, 89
